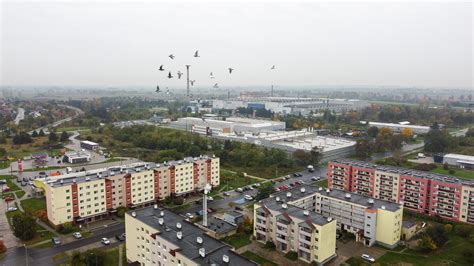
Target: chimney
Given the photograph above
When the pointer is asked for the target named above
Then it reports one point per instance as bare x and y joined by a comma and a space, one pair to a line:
306, 212
303, 190
178, 225
383, 207
348, 196
155, 206
288, 194
225, 258
162, 213
199, 240
179, 235
284, 206
160, 221
134, 214
277, 199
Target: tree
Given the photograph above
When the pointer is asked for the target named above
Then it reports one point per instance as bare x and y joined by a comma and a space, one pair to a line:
437, 141
53, 137
427, 244
448, 228
22, 138
34, 134
121, 211
264, 191
373, 131
363, 148
88, 257
64, 136
41, 133
42, 215
407, 133
24, 226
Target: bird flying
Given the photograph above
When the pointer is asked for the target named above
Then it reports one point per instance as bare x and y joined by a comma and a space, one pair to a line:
192, 82
169, 75
179, 74
230, 70
171, 56
196, 54
216, 86
157, 89
211, 75
161, 68
273, 67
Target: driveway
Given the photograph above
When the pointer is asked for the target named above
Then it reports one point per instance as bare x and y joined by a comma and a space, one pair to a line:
354, 249
6, 233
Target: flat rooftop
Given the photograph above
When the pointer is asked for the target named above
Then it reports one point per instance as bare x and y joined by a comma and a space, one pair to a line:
302, 191
188, 245
101, 173
406, 171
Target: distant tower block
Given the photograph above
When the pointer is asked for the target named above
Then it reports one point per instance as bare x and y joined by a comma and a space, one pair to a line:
187, 80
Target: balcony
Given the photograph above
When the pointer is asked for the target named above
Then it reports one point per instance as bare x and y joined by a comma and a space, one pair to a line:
446, 189
305, 240
281, 232
305, 248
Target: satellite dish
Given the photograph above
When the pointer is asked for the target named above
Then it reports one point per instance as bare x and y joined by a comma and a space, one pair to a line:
207, 188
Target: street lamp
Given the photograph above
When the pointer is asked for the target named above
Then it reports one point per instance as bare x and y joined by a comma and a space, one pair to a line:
26, 254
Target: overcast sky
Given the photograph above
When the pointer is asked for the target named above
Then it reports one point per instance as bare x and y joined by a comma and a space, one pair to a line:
110, 44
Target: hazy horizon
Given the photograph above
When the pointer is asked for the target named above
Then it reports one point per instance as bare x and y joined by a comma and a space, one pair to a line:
107, 44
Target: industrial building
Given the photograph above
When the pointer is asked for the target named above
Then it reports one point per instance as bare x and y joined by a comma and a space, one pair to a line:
291, 105
459, 160
437, 195
399, 127
291, 141
304, 219
89, 145
77, 157
210, 126
157, 236
86, 196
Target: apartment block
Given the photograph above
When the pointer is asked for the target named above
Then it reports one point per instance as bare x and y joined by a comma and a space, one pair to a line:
94, 194
292, 228
156, 236
445, 196
299, 218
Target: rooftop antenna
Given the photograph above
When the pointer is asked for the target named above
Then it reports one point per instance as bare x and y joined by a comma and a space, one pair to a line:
207, 189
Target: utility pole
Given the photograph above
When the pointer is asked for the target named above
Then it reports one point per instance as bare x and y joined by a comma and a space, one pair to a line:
187, 79
26, 254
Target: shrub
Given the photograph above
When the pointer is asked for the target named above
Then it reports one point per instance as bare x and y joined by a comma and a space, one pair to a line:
121, 211
66, 228
448, 228
269, 245
291, 255
452, 172
445, 166
425, 166
42, 215
24, 226
427, 244
3, 248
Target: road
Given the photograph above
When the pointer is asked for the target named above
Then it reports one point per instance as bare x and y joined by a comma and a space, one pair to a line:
20, 116
39, 257
78, 111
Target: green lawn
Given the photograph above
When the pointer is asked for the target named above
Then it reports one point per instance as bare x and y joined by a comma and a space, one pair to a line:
45, 169
322, 183
12, 213
260, 260
237, 240
112, 256
461, 173
33, 205
10, 183
40, 236
4, 164
356, 261
450, 254
230, 181
20, 193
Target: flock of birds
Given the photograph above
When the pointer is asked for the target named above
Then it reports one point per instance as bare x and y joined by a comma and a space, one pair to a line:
179, 73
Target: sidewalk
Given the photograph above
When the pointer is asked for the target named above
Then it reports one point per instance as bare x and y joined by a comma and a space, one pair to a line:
6, 233
271, 255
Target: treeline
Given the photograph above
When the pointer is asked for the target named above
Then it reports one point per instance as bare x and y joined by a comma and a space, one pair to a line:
161, 144
440, 141
415, 114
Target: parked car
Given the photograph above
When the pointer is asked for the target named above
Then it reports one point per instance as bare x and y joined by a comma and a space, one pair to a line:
210, 198
295, 175
23, 184
120, 237
248, 197
227, 194
367, 258
240, 190
257, 185
25, 179
31, 178
315, 178
13, 208
9, 198
77, 235
292, 184
6, 189
189, 215
56, 241
238, 208
105, 241
3, 181
209, 210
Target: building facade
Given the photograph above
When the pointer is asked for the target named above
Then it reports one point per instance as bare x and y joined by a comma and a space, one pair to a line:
436, 195
87, 196
160, 237
305, 219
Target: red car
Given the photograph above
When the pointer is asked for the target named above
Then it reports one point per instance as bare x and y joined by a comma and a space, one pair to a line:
9, 198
